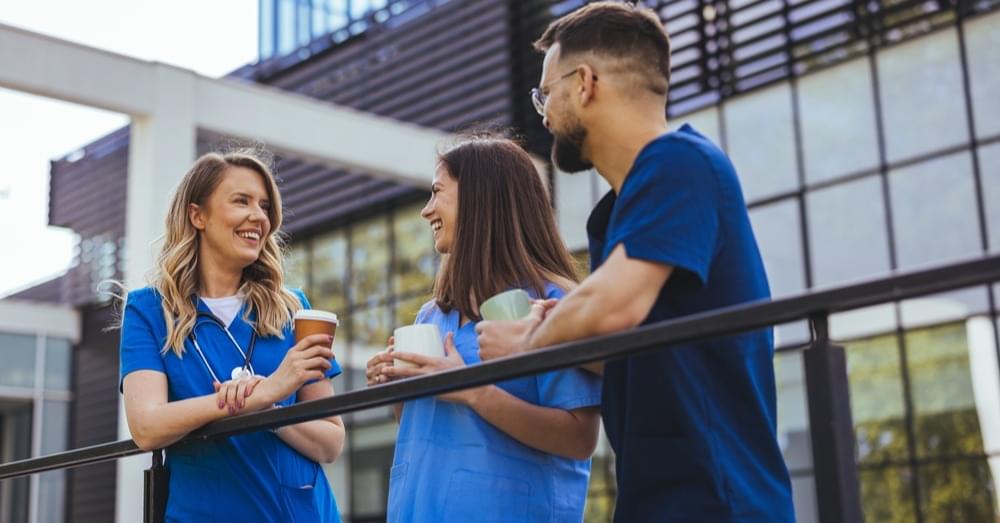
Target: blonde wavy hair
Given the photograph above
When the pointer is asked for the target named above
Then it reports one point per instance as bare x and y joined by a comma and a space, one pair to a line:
175, 276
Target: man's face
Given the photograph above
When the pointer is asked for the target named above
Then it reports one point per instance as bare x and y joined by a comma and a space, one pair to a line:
561, 118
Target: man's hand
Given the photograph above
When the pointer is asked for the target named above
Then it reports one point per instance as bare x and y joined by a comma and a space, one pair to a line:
499, 339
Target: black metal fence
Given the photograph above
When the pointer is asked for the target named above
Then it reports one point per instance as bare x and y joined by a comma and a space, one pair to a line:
825, 374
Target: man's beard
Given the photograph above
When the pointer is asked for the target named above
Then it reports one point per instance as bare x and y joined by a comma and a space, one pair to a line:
567, 150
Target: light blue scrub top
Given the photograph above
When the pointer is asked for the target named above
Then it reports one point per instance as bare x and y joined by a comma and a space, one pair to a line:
451, 465
252, 477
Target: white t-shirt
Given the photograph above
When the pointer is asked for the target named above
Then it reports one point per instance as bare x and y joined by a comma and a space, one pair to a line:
225, 308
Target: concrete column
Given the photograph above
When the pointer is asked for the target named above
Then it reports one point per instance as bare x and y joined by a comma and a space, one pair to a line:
162, 147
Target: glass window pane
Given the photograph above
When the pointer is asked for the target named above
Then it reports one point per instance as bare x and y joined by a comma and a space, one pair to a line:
793, 413
329, 272
804, 497
989, 171
761, 141
370, 260
847, 231
944, 307
934, 211
862, 323
877, 404
57, 364
286, 26
371, 328
297, 268
416, 261
958, 491
574, 197
17, 352
921, 91
982, 39
837, 108
950, 400
406, 310
266, 25
887, 495
780, 239
705, 121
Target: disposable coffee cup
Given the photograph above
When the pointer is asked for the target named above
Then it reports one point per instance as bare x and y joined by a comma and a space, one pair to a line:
423, 339
510, 305
311, 321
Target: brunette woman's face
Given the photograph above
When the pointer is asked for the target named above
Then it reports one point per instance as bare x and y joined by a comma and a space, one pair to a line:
233, 224
441, 210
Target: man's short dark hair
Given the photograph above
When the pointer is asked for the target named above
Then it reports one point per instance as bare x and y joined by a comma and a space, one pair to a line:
617, 30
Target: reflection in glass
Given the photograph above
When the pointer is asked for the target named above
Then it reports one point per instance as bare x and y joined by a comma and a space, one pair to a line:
982, 41
989, 172
57, 363
407, 309
877, 404
922, 105
779, 237
943, 307
370, 259
415, 258
958, 491
761, 141
705, 121
601, 491
297, 268
17, 352
837, 109
793, 414
371, 327
329, 272
934, 211
952, 406
804, 498
887, 495
847, 231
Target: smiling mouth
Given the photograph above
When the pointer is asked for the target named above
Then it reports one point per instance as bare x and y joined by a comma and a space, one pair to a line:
437, 225
253, 236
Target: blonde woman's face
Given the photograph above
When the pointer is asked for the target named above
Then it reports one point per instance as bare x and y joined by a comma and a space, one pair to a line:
234, 222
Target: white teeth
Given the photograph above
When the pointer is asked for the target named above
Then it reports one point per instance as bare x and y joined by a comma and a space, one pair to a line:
436, 225
250, 235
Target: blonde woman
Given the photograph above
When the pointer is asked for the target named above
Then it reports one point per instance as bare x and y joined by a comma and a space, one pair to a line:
213, 327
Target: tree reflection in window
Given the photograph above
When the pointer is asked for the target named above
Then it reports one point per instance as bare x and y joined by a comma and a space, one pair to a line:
329, 272
370, 257
415, 260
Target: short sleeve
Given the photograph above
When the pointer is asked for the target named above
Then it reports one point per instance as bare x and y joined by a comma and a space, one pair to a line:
571, 388
668, 209
139, 348
335, 369
424, 314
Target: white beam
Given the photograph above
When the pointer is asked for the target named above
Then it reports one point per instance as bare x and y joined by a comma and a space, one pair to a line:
55, 68
288, 123
322, 132
26, 317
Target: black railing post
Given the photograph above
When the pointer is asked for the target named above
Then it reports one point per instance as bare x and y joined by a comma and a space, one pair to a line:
157, 479
833, 447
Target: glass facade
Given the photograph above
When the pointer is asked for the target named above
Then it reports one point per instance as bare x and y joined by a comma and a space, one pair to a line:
897, 168
34, 421
290, 26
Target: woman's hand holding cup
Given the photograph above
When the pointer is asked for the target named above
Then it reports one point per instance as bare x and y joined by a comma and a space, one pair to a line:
374, 370
308, 360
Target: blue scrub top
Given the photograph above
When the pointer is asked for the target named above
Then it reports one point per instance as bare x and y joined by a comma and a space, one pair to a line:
692, 426
451, 465
252, 477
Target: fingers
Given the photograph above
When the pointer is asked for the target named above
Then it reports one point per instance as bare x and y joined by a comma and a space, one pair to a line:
404, 372
252, 385
449, 344
313, 340
416, 359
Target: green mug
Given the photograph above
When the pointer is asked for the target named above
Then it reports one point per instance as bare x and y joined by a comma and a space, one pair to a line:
510, 305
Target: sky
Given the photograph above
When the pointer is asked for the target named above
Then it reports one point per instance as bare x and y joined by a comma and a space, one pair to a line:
211, 37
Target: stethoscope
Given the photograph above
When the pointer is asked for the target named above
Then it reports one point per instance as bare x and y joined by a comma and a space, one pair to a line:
238, 373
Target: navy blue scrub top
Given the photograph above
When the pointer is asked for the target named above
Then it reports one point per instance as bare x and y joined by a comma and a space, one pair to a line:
693, 427
252, 477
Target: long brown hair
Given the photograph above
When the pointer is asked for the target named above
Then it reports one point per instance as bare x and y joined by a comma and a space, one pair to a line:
505, 230
175, 276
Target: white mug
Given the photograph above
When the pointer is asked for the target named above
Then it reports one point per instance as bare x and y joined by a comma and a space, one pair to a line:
423, 339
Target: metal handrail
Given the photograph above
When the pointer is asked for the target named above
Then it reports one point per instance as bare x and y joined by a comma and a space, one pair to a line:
695, 327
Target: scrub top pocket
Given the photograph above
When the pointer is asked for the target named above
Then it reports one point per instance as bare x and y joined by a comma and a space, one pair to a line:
486, 498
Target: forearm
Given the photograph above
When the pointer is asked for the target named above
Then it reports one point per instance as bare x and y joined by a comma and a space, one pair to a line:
320, 440
575, 318
550, 430
161, 425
